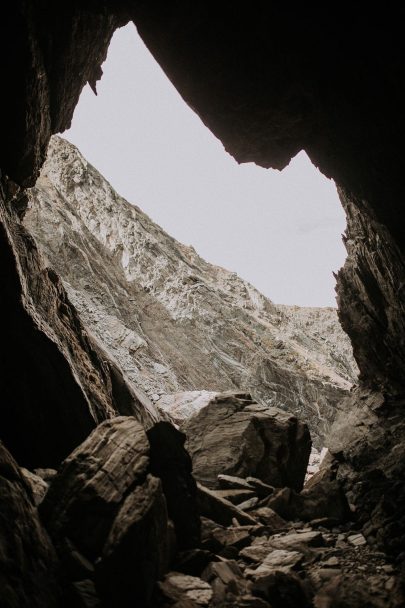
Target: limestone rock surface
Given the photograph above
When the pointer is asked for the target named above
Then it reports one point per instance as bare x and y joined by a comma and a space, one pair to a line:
233, 435
173, 322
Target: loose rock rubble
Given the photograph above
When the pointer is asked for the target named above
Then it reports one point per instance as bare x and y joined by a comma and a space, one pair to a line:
302, 566
279, 563
124, 514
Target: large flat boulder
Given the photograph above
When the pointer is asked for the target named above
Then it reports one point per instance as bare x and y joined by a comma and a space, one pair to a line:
233, 435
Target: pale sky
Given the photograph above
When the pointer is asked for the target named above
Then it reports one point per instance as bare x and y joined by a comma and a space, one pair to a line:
279, 230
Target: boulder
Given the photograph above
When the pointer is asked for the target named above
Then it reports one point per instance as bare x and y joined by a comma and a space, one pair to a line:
249, 504
85, 496
29, 567
106, 504
275, 560
227, 581
236, 436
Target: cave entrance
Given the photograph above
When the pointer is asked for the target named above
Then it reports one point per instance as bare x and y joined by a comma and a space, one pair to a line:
281, 231
183, 328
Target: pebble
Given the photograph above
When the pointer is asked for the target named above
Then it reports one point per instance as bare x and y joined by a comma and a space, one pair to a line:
357, 540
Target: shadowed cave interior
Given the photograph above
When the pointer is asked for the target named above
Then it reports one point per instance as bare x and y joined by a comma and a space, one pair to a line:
268, 83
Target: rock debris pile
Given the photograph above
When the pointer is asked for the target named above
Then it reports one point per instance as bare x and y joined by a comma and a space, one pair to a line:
123, 522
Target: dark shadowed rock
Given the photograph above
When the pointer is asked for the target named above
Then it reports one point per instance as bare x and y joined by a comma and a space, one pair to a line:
84, 594
261, 489
238, 437
193, 561
172, 464
322, 498
282, 590
135, 555
230, 482
86, 494
28, 563
106, 511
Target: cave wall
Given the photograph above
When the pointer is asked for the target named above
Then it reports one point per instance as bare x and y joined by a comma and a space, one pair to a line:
268, 81
56, 383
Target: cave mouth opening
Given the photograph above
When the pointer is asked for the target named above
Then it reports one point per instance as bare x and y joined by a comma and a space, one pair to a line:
281, 231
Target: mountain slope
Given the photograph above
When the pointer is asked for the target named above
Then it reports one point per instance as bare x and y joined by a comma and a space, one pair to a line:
171, 320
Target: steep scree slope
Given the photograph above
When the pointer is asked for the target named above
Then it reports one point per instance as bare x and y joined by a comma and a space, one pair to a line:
171, 320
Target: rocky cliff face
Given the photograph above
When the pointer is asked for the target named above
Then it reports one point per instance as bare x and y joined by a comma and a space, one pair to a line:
172, 321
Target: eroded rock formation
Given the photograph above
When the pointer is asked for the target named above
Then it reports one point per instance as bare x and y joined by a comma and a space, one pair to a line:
171, 320
268, 81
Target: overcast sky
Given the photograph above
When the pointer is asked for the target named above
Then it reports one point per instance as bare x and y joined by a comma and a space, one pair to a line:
279, 230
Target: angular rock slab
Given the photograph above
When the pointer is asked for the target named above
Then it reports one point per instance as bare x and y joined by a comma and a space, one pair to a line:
238, 437
84, 497
28, 562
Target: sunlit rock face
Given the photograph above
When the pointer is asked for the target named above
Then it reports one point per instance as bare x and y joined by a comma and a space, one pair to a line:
172, 321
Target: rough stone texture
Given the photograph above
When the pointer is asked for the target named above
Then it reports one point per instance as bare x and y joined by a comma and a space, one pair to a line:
85, 496
66, 384
174, 322
135, 555
52, 61
38, 486
236, 436
106, 510
371, 297
369, 442
178, 586
29, 568
322, 498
